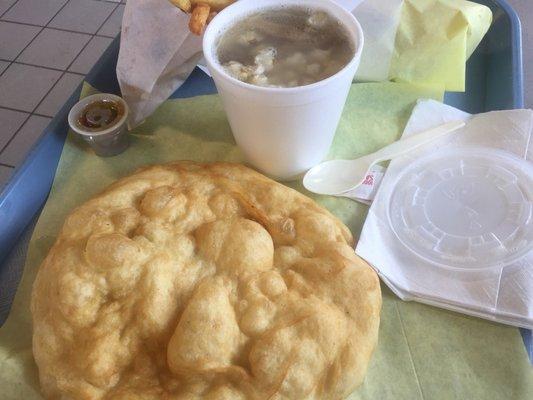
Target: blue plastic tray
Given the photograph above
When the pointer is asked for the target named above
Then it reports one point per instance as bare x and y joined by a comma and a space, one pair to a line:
494, 82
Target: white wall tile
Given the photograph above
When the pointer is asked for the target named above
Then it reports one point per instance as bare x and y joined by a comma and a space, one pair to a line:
10, 122
14, 38
60, 93
38, 12
19, 147
90, 54
54, 49
22, 87
112, 26
83, 15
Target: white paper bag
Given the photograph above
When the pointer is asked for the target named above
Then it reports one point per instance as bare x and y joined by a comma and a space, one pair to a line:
157, 54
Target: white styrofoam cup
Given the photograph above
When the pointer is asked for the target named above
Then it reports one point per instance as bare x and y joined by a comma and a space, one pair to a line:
283, 131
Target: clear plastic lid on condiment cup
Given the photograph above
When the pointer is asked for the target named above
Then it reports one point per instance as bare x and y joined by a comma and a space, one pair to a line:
107, 142
465, 208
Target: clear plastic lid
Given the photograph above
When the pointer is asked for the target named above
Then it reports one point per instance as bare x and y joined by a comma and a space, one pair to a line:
467, 208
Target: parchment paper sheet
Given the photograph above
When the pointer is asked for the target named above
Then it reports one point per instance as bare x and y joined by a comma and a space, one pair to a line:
423, 352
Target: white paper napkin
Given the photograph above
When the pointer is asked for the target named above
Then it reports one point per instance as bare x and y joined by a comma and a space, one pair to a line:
491, 281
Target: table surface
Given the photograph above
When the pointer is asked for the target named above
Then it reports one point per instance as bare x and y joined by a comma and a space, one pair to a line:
524, 8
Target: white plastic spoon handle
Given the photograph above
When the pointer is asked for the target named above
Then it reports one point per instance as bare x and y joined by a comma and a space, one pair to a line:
406, 145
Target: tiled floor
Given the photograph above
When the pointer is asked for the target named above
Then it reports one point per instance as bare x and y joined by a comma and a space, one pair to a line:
46, 48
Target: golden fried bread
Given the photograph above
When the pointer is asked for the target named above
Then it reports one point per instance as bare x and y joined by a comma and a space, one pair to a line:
203, 281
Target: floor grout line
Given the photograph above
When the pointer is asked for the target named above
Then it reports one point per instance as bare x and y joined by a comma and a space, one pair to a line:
15, 134
5, 69
59, 29
103, 23
42, 66
14, 109
109, 1
25, 112
9, 8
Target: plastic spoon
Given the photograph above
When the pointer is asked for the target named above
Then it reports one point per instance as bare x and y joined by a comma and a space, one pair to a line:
336, 177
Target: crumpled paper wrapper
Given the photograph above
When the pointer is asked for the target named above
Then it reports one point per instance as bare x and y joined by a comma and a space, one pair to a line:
423, 352
419, 41
379, 20
434, 40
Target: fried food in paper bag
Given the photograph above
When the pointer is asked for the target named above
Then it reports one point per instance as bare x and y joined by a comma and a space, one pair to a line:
203, 281
201, 11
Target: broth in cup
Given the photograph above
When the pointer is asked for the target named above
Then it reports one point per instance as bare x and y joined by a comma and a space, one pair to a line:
284, 125
285, 47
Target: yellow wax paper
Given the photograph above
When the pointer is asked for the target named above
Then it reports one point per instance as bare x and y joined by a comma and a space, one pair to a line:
434, 40
423, 352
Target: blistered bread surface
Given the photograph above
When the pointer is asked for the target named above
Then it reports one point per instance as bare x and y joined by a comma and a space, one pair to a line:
203, 281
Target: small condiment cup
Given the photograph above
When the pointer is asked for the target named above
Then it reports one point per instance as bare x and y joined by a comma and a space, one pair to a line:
283, 131
110, 141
